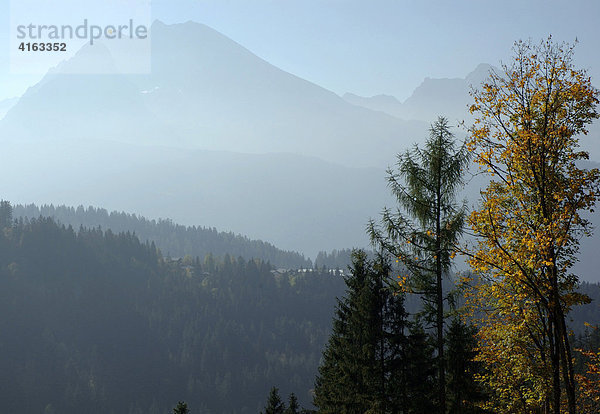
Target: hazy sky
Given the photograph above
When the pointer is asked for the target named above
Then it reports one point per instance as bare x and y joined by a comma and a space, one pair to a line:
376, 46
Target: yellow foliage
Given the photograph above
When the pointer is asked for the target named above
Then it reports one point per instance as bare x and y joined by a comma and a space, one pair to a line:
529, 221
589, 383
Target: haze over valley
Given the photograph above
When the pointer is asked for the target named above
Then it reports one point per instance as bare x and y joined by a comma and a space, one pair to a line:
269, 211
216, 136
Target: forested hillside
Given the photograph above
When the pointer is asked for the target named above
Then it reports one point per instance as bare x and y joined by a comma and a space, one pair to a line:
336, 259
172, 239
97, 322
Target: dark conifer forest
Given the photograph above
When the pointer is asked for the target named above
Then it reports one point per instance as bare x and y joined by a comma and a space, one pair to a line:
174, 240
98, 322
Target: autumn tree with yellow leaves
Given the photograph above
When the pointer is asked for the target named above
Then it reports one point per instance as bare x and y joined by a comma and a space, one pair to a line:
530, 117
589, 380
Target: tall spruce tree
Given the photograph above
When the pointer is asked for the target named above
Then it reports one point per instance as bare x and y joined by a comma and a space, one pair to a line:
463, 391
419, 390
274, 404
349, 371
361, 363
424, 230
293, 405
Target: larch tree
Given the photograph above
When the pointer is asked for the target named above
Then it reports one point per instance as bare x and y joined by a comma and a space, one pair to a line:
530, 116
423, 232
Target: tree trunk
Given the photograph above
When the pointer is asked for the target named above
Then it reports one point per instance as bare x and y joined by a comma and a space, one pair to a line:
567, 361
440, 316
382, 312
440, 345
555, 361
562, 341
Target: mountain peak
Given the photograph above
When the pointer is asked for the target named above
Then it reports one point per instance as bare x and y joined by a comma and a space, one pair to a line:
481, 73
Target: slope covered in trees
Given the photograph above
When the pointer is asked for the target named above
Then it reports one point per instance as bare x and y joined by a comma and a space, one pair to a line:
336, 259
97, 322
172, 239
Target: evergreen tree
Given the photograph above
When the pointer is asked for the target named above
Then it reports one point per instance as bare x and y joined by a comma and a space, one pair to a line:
419, 373
396, 343
360, 363
293, 405
274, 403
346, 377
424, 231
463, 391
181, 408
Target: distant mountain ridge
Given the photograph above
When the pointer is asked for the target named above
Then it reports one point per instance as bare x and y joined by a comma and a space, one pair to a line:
384, 103
205, 91
432, 98
449, 97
